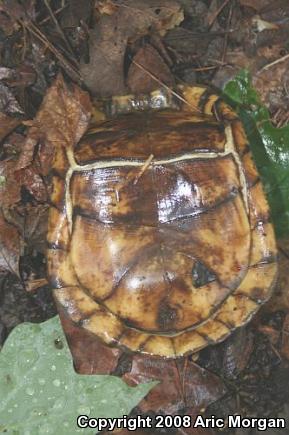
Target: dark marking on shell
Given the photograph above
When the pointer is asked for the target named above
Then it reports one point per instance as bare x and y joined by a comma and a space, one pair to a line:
54, 173
246, 150
204, 99
54, 246
271, 258
255, 182
257, 294
202, 275
167, 317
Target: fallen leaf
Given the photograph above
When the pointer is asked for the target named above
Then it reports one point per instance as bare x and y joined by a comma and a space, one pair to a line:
12, 145
86, 349
31, 179
7, 124
182, 384
10, 110
75, 12
103, 75
10, 247
271, 333
106, 7
237, 352
9, 190
22, 76
35, 226
61, 121
8, 103
271, 82
42, 384
139, 79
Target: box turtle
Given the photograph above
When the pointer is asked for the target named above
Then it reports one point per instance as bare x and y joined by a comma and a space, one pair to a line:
159, 236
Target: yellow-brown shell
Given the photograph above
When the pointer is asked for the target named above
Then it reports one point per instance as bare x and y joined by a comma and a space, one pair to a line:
159, 236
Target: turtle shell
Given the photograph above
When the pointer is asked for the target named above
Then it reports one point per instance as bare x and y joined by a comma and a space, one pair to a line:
159, 235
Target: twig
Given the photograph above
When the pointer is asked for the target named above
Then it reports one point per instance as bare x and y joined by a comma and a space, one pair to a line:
269, 65
54, 19
71, 71
49, 17
213, 18
143, 169
24, 42
205, 68
226, 36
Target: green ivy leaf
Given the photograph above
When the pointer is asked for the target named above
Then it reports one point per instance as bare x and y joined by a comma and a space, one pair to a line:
270, 147
40, 393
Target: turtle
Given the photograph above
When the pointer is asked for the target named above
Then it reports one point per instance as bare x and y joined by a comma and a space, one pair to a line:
159, 234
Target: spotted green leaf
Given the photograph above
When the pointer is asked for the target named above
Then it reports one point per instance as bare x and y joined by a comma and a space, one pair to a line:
40, 393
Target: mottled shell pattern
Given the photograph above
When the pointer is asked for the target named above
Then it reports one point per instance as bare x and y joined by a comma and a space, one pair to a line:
159, 235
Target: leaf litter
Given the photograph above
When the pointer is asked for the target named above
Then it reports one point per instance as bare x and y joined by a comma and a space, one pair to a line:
101, 46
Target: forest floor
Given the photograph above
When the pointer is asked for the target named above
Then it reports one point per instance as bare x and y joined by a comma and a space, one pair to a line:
115, 47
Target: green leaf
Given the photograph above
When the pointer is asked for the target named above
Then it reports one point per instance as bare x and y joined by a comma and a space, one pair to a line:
40, 393
241, 91
270, 147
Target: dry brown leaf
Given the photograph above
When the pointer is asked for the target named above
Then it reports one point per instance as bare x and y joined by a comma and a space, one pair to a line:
140, 81
30, 178
22, 76
108, 41
8, 103
237, 352
7, 124
75, 12
183, 384
272, 82
12, 180
86, 349
35, 226
10, 110
10, 247
106, 7
9, 189
61, 121
271, 333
